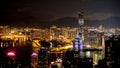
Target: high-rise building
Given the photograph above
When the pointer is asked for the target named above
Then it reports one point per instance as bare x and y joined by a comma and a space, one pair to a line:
78, 42
81, 25
72, 33
3, 30
112, 53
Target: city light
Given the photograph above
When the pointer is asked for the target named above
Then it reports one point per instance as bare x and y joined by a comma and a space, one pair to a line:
34, 54
11, 54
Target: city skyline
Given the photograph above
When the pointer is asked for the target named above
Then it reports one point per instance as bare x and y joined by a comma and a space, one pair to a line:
41, 13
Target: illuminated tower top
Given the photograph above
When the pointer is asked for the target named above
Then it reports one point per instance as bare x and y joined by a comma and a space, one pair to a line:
80, 14
80, 19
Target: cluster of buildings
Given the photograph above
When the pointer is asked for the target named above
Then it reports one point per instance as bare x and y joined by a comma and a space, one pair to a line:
90, 37
80, 37
93, 36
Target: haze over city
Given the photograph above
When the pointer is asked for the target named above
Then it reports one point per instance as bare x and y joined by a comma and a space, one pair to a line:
44, 13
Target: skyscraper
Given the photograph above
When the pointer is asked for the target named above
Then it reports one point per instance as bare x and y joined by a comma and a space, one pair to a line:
112, 53
81, 25
78, 41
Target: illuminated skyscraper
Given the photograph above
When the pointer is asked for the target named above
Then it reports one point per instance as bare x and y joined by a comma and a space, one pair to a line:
81, 25
79, 40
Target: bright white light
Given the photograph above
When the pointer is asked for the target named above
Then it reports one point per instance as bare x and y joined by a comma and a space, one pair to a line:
59, 60
52, 62
11, 54
88, 54
88, 46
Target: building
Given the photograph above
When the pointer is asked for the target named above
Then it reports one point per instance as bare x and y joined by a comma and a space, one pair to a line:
72, 33
112, 53
81, 25
3, 30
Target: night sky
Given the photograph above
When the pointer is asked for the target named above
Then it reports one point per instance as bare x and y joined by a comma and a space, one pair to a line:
36, 12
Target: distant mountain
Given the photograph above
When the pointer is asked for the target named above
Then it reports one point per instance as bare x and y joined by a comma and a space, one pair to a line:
111, 22
64, 22
73, 22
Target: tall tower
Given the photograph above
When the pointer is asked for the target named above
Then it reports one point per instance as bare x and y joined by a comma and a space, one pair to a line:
79, 40
81, 25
